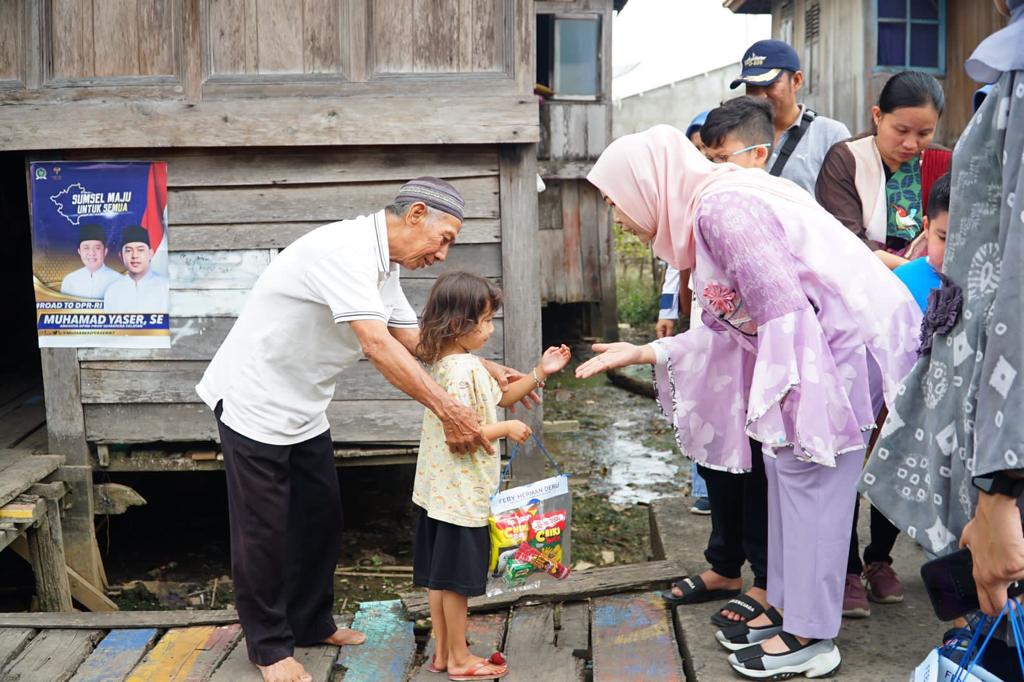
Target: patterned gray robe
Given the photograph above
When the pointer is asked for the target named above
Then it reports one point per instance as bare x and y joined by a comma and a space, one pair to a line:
960, 412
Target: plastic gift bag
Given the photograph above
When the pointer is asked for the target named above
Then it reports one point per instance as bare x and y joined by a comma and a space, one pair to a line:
530, 529
958, 659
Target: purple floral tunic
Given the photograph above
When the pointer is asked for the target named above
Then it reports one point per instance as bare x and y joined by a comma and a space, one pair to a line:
804, 326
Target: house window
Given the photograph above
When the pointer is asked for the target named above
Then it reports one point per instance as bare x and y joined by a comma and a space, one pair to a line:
568, 55
786, 22
912, 35
812, 33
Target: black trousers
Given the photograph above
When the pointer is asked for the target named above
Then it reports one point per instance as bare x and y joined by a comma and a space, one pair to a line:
739, 520
883, 539
284, 507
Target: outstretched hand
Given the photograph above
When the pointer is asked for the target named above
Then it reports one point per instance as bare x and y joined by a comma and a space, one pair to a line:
555, 359
612, 356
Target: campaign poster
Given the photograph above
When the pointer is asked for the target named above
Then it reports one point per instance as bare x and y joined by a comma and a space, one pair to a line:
99, 254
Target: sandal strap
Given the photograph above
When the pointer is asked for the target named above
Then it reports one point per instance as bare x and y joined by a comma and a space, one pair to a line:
746, 605
690, 585
751, 657
773, 615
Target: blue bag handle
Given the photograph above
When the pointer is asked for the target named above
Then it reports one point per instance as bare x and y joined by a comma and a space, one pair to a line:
515, 452
1017, 622
974, 656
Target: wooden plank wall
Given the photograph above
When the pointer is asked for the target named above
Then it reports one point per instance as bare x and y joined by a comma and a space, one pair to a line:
230, 212
575, 238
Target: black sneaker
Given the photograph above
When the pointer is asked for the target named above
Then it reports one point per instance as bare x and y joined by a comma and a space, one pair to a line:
701, 507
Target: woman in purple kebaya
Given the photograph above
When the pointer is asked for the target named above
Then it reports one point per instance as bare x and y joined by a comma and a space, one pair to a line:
806, 331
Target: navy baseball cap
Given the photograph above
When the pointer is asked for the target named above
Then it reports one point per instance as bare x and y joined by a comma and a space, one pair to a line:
696, 123
764, 62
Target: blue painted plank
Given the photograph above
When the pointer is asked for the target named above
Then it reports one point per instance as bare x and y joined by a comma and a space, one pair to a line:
115, 656
389, 648
633, 640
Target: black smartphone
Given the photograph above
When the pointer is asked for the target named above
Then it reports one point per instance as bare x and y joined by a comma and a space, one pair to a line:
949, 581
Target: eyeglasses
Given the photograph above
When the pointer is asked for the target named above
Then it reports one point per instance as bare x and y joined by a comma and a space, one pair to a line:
724, 158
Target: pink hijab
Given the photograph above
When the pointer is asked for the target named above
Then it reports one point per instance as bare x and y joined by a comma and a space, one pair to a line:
658, 178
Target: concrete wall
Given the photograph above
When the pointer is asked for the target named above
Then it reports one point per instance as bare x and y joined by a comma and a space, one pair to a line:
676, 103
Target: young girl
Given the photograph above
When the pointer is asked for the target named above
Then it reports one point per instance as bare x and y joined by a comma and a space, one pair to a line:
453, 491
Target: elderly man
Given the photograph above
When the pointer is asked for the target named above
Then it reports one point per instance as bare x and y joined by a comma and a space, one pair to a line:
91, 280
331, 296
140, 290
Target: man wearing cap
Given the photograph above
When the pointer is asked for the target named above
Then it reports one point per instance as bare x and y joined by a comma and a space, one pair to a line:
140, 290
329, 298
92, 280
771, 69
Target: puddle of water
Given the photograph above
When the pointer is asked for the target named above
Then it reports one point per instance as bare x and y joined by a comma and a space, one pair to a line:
637, 474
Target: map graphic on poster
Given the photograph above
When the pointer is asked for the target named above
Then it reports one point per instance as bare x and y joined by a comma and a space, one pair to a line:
99, 254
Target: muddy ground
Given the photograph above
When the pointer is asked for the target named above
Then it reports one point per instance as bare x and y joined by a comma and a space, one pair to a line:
173, 553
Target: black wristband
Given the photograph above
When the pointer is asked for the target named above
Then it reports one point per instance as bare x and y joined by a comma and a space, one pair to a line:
998, 483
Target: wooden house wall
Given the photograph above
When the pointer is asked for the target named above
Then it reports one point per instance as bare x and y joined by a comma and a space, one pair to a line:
230, 212
575, 237
842, 80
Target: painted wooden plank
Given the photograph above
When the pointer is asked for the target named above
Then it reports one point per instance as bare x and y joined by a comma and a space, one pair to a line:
485, 632
273, 122
240, 269
30, 469
574, 625
177, 654
271, 235
219, 269
118, 620
53, 655
351, 422
220, 168
12, 641
592, 583
155, 381
389, 647
317, 660
229, 302
116, 655
326, 203
212, 653
531, 651
633, 639
195, 338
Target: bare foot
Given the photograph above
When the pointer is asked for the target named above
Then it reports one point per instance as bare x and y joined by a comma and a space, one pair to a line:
476, 666
285, 670
345, 636
713, 581
775, 645
760, 595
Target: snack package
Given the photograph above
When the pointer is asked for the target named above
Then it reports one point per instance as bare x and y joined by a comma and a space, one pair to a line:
530, 528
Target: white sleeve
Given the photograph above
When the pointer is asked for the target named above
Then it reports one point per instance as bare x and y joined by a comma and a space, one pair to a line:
402, 314
348, 286
668, 305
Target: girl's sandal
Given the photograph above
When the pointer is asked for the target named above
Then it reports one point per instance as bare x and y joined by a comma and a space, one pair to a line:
483, 669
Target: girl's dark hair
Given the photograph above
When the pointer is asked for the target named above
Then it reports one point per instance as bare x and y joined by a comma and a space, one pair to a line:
457, 302
911, 89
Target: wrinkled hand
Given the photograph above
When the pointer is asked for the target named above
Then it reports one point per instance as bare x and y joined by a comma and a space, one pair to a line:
555, 359
996, 541
664, 328
462, 430
518, 431
612, 356
505, 376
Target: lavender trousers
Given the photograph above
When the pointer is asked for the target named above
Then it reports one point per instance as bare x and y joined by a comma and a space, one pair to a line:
810, 516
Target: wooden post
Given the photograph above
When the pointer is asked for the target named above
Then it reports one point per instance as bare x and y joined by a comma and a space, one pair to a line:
46, 548
520, 266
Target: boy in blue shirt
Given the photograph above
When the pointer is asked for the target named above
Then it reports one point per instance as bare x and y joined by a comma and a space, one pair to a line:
921, 275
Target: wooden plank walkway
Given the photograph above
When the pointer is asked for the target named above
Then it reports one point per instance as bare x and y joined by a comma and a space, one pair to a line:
625, 636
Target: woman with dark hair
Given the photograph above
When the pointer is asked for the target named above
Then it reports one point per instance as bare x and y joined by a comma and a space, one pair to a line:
877, 183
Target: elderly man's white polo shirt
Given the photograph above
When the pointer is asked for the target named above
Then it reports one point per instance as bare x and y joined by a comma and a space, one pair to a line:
276, 371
